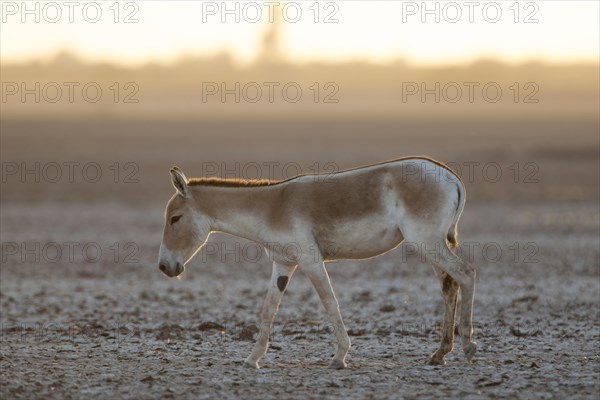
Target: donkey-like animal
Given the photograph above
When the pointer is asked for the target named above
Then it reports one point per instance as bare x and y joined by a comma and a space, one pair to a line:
353, 214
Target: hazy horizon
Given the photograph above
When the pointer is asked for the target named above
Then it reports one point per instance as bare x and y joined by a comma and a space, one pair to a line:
65, 54
441, 32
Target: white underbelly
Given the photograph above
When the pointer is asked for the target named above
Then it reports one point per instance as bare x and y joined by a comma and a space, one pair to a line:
363, 239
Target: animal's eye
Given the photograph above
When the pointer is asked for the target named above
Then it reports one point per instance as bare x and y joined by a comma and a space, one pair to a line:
175, 218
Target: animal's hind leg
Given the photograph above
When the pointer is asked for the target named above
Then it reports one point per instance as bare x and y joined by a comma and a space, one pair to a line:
464, 275
449, 293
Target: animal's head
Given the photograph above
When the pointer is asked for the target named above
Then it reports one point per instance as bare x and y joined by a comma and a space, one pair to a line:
185, 228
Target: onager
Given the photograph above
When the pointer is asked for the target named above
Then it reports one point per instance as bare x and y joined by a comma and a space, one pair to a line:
353, 214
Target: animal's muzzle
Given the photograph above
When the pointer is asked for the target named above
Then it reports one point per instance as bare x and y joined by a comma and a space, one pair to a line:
171, 272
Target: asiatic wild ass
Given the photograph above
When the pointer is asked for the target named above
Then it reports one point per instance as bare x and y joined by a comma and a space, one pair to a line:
353, 214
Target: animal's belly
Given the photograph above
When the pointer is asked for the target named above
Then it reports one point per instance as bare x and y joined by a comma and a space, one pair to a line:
358, 241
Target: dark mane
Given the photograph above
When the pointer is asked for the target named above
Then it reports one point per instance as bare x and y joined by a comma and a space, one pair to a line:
231, 182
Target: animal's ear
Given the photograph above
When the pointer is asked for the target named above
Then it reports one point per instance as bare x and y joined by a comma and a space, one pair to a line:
179, 181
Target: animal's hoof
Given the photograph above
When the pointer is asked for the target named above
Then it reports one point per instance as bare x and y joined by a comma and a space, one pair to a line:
251, 365
470, 349
435, 360
337, 364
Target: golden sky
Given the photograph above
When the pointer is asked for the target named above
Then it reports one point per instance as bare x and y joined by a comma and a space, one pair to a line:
378, 31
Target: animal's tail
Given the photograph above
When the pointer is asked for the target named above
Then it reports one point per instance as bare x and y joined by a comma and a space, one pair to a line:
460, 205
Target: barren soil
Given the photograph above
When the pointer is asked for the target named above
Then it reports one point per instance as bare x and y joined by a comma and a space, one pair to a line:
113, 326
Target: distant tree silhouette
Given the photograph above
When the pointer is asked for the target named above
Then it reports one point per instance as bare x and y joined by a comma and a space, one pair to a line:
270, 52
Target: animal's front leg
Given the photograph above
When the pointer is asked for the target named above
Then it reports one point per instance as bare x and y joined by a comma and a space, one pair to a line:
279, 280
320, 280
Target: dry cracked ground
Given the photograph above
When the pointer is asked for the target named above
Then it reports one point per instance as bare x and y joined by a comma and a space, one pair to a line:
122, 330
